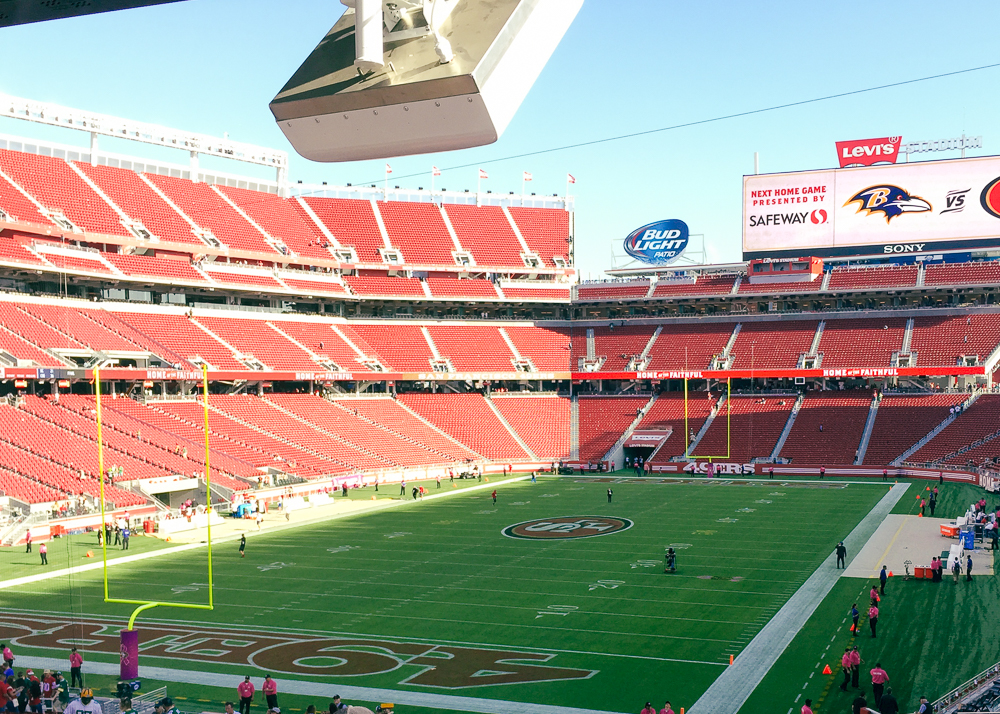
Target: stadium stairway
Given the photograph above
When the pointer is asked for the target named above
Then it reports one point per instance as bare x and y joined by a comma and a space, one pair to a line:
716, 410
901, 459
574, 428
517, 437
866, 435
788, 428
446, 435
616, 454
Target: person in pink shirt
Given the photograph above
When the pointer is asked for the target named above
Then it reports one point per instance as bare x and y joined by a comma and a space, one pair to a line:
873, 619
807, 707
666, 709
648, 709
855, 666
43, 551
8, 656
75, 668
245, 690
879, 678
270, 689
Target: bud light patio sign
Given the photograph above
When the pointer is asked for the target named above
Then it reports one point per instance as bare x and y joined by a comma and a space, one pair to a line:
658, 243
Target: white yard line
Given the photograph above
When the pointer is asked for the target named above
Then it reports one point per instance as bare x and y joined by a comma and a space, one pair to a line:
323, 691
735, 685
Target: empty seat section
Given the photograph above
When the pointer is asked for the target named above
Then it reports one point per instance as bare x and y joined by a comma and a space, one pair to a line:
18, 207
754, 425
308, 286
983, 273
543, 423
772, 345
703, 285
485, 232
339, 418
547, 348
75, 263
828, 428
13, 344
746, 287
351, 222
452, 287
418, 231
13, 250
135, 197
903, 420
74, 322
545, 230
619, 344
602, 422
255, 337
384, 286
324, 341
472, 348
980, 420
279, 219
314, 447
390, 414
403, 348
879, 276
183, 337
944, 341
25, 489
689, 346
530, 294
209, 210
113, 323
612, 291
237, 278
668, 412
468, 418
34, 330
134, 265
861, 343
54, 184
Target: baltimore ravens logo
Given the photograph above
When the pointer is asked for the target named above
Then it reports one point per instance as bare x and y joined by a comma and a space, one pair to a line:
888, 200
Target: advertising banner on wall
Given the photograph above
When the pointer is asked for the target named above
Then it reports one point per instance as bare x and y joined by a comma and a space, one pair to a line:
876, 210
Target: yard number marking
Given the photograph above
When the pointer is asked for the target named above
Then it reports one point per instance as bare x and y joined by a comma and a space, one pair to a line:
274, 566
609, 584
342, 548
645, 564
557, 610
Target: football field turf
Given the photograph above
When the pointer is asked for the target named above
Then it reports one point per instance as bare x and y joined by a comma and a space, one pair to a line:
433, 598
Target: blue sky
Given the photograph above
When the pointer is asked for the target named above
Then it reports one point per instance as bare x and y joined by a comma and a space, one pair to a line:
213, 65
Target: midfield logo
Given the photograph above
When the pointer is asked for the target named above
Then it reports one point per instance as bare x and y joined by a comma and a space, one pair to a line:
566, 527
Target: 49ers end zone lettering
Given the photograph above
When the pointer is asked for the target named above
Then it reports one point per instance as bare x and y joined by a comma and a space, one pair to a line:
565, 527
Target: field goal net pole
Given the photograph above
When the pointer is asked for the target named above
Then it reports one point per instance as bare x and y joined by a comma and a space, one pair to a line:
130, 636
729, 424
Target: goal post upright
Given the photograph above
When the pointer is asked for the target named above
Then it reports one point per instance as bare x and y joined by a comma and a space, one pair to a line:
129, 637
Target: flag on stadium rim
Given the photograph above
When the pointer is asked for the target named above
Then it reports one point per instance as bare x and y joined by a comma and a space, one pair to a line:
388, 169
435, 171
483, 174
570, 178
526, 176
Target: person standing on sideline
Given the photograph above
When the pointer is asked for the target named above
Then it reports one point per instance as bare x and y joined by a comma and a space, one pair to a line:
243, 545
968, 570
923, 506
494, 494
860, 704
885, 474
873, 595
402, 487
270, 690
75, 668
845, 662
855, 616
770, 471
873, 618
44, 552
337, 705
610, 494
27, 541
879, 678
8, 656
438, 479
126, 534
956, 569
822, 469
888, 705
882, 577
666, 708
925, 706
807, 707
855, 666
671, 564
245, 691
841, 555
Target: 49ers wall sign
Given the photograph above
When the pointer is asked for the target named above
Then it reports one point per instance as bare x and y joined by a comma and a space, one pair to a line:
565, 527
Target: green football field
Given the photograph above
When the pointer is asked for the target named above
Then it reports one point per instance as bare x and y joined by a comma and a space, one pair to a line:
432, 597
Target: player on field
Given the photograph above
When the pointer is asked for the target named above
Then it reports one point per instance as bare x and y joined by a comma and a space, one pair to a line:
243, 545
494, 497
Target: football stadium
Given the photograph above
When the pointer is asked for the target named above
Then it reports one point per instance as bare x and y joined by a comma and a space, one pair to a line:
279, 446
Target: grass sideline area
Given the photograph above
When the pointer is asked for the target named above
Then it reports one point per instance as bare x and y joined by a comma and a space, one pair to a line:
439, 572
931, 636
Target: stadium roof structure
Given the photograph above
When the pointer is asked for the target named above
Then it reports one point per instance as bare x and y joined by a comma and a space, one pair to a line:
23, 12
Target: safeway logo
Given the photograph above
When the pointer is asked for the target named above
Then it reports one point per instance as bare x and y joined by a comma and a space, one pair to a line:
866, 152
